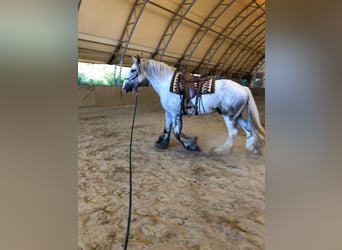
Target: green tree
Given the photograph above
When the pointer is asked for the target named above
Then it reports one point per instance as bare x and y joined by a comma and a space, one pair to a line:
109, 78
82, 79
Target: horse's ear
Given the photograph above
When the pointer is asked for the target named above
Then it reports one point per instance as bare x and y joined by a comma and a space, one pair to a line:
136, 59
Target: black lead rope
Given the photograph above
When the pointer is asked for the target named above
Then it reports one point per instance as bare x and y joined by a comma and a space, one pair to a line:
130, 175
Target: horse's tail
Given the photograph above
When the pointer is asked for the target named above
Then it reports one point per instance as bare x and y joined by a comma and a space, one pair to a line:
253, 118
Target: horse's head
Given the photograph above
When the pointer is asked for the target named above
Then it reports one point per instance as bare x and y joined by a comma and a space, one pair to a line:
134, 77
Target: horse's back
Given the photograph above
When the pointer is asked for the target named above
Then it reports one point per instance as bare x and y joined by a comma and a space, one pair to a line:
230, 89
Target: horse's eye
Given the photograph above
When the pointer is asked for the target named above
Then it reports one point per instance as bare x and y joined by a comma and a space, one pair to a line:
133, 70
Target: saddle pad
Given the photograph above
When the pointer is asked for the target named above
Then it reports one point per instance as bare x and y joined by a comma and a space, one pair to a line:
178, 86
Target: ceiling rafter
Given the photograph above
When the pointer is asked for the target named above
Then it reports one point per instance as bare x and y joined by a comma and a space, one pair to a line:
79, 4
258, 65
254, 60
197, 23
244, 51
94, 50
245, 56
250, 29
225, 34
206, 25
236, 69
127, 32
243, 72
170, 30
262, 6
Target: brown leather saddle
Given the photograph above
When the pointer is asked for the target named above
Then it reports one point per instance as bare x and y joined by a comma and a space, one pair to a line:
189, 86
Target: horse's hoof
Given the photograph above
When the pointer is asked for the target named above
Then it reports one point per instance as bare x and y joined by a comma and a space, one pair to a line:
257, 151
161, 145
192, 147
195, 148
220, 151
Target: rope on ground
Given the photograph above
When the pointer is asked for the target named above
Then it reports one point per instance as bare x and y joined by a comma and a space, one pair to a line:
130, 175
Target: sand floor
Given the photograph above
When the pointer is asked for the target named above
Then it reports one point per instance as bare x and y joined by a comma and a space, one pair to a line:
181, 199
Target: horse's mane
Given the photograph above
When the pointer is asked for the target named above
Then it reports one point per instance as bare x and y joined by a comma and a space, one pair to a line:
156, 68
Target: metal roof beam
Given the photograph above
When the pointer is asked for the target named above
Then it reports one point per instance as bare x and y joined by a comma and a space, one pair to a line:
214, 15
244, 53
233, 46
235, 68
245, 56
95, 51
127, 33
258, 65
225, 34
262, 7
254, 61
79, 4
192, 21
173, 25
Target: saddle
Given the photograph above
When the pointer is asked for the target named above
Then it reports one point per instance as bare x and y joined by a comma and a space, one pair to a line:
189, 86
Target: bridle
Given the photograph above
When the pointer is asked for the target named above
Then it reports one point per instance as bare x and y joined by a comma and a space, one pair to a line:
132, 77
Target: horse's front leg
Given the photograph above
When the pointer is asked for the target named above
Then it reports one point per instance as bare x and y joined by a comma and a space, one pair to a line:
189, 143
163, 140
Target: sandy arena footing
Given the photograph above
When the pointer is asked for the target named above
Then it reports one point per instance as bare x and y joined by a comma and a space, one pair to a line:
181, 199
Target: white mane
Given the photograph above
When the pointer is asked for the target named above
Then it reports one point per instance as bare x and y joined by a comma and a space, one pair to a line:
155, 69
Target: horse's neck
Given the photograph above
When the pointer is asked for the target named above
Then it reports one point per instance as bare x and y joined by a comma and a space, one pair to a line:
159, 75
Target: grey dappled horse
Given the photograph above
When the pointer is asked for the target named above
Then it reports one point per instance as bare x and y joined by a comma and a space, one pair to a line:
229, 99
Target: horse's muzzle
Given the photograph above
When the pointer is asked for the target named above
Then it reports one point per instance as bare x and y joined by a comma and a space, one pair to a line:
126, 87
129, 88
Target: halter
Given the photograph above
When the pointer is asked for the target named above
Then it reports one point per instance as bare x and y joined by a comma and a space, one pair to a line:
135, 76
136, 82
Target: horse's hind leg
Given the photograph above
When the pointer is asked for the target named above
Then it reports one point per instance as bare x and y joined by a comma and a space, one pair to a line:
232, 133
189, 143
251, 141
163, 140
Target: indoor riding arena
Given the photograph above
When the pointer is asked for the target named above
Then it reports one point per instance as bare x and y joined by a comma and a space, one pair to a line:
181, 199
